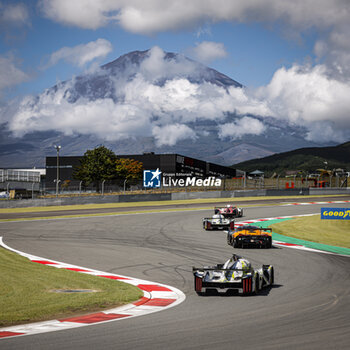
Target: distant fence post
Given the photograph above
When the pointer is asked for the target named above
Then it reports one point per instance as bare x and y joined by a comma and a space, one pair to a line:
103, 187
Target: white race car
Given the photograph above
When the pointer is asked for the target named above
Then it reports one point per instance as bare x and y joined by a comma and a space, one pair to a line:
218, 222
236, 274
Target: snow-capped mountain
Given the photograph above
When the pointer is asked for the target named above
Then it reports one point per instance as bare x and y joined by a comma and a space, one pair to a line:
146, 101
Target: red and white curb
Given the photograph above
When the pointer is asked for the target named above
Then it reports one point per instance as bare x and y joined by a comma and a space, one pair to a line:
284, 244
310, 203
156, 297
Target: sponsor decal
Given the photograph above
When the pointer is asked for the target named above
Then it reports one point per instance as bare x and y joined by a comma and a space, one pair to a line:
152, 178
335, 213
155, 179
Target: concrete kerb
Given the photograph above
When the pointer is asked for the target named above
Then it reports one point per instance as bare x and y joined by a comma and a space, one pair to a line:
157, 297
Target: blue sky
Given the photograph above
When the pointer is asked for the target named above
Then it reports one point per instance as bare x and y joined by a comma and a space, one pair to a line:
293, 57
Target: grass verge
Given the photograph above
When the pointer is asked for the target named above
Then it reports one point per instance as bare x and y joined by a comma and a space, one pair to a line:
313, 229
26, 291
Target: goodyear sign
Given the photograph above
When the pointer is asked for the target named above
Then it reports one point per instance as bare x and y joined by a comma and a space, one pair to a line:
335, 213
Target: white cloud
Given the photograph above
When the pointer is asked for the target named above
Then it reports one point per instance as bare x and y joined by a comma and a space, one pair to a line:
156, 67
309, 97
10, 74
334, 51
14, 14
208, 51
325, 131
102, 117
161, 15
82, 54
169, 135
87, 14
241, 127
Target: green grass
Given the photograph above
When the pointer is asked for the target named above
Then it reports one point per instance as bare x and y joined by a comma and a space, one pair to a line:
313, 229
26, 291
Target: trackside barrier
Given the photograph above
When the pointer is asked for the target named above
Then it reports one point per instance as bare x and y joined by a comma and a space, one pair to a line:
123, 198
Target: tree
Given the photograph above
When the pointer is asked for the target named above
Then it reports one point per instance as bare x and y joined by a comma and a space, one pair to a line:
95, 166
128, 169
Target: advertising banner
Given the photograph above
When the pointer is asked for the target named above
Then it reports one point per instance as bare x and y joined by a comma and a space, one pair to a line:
335, 213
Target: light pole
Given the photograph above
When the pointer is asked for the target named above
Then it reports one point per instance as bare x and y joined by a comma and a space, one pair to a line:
103, 187
125, 181
58, 169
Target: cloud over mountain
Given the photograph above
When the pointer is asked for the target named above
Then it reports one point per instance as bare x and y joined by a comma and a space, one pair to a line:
161, 95
153, 100
158, 96
312, 94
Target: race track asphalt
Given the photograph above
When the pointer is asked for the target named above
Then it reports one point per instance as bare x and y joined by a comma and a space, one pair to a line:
308, 308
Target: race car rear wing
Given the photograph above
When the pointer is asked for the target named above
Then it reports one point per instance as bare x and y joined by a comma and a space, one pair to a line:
232, 219
252, 228
203, 269
225, 208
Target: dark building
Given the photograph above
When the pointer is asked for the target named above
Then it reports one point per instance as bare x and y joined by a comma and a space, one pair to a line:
170, 164
178, 165
67, 165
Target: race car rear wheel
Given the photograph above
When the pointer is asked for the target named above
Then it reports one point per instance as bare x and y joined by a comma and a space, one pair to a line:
269, 242
272, 276
255, 288
207, 225
198, 285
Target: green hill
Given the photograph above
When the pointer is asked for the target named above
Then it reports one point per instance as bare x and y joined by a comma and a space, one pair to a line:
303, 159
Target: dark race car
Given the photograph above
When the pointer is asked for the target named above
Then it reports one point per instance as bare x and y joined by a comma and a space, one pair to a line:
236, 274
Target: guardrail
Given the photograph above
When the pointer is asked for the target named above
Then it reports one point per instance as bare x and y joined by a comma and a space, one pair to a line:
122, 198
